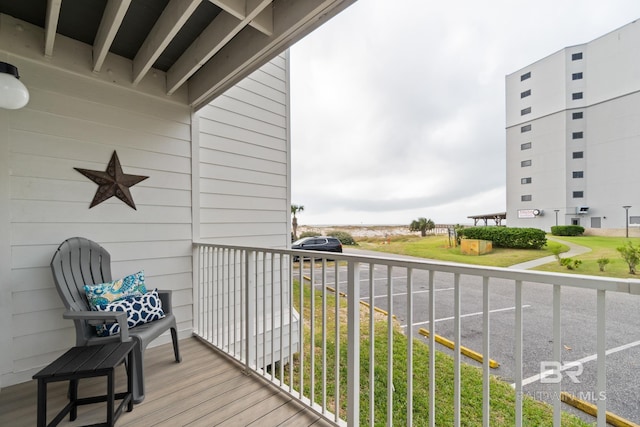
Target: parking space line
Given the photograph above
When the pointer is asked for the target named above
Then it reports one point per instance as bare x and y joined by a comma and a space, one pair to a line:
400, 294
478, 313
570, 365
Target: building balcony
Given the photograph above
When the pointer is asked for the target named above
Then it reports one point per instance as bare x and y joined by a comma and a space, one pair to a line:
252, 360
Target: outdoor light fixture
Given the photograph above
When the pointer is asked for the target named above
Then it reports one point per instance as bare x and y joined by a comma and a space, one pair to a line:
13, 94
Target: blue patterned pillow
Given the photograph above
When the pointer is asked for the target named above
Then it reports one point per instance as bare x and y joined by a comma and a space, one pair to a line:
140, 309
106, 293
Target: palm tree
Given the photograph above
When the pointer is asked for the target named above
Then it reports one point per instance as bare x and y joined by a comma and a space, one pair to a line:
295, 209
422, 225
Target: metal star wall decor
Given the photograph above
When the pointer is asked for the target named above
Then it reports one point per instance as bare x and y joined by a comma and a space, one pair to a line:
112, 182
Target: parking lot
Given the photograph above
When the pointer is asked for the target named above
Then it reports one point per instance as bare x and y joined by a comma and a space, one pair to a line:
578, 308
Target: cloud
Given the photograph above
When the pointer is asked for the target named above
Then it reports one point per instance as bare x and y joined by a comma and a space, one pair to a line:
398, 107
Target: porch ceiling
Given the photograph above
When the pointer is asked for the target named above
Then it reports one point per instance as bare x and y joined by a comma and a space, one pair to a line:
205, 45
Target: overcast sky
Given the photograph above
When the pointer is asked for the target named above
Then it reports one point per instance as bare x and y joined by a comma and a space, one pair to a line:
398, 107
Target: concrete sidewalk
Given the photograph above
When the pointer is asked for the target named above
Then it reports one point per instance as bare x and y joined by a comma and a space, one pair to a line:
573, 251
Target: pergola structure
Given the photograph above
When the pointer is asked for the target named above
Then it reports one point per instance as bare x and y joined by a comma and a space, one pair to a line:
497, 217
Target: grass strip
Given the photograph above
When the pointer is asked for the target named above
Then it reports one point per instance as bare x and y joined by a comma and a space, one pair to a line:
502, 396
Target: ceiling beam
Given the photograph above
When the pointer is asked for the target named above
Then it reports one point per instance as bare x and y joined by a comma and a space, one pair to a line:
263, 22
165, 29
292, 20
221, 30
51, 25
111, 20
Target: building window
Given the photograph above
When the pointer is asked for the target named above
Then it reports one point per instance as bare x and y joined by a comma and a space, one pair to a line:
525, 198
577, 135
525, 128
578, 194
576, 95
525, 76
525, 93
576, 76
578, 174
634, 220
525, 111
577, 115
525, 180
525, 146
525, 163
578, 154
576, 56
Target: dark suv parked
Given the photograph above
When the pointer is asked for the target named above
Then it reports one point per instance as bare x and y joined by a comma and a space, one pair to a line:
318, 243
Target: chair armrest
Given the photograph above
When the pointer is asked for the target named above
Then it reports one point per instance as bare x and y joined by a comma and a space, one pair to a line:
102, 316
165, 298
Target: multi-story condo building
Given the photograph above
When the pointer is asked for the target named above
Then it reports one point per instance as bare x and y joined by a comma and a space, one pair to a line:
573, 137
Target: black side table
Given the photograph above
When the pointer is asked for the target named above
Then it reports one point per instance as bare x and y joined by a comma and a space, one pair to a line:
87, 362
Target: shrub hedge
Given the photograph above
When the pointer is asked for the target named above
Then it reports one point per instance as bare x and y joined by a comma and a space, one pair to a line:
344, 237
505, 237
567, 230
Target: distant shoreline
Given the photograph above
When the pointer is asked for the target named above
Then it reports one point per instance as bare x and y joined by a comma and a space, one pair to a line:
368, 230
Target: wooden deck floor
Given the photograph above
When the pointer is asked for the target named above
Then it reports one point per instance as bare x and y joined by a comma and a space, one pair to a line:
205, 389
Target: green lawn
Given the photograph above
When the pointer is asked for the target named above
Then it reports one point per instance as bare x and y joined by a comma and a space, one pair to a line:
601, 247
438, 247
502, 396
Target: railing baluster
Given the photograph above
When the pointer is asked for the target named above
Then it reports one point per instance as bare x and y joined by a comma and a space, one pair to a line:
432, 350
206, 285
223, 299
243, 305
486, 311
236, 283
273, 319
312, 325
282, 355
456, 353
301, 334
324, 335
263, 365
209, 295
372, 344
601, 348
290, 299
389, 346
217, 298
353, 339
336, 339
518, 353
256, 315
557, 354
409, 333
250, 304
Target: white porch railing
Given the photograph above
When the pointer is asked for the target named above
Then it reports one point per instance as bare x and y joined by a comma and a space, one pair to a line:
243, 303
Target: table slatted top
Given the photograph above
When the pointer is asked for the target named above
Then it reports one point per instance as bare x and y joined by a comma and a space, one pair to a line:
83, 360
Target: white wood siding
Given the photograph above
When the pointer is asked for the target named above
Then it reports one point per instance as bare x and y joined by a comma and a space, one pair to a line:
244, 162
244, 184
74, 121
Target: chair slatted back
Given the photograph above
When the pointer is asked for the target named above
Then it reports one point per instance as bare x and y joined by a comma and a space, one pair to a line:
78, 262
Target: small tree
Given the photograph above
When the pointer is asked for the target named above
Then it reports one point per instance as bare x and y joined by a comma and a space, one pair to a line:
602, 262
556, 251
422, 225
631, 256
295, 209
